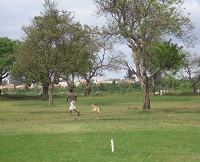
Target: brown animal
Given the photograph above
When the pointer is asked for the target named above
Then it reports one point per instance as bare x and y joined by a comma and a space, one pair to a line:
95, 108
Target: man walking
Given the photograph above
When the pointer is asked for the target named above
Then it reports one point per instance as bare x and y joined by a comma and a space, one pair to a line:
72, 97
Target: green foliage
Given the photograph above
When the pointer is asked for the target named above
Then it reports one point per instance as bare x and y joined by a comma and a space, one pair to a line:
101, 87
130, 89
7, 49
47, 42
165, 55
185, 86
169, 82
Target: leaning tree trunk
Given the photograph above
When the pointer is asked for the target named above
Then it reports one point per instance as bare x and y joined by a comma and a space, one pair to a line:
51, 88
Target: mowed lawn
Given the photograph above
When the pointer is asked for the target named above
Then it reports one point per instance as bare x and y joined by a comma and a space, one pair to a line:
31, 131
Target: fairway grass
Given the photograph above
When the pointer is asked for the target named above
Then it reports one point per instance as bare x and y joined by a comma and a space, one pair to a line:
30, 130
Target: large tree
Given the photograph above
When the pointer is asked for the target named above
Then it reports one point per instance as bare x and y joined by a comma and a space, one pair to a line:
7, 49
50, 43
142, 22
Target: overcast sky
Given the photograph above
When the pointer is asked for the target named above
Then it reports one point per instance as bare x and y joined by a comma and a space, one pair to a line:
17, 13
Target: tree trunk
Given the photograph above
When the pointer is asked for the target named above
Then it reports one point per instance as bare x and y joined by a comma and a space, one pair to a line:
87, 88
194, 87
45, 95
51, 88
141, 73
146, 96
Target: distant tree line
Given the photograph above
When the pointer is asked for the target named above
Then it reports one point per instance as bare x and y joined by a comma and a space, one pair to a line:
170, 85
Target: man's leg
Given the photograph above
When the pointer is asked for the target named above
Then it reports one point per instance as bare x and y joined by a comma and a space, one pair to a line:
71, 108
78, 112
70, 112
74, 107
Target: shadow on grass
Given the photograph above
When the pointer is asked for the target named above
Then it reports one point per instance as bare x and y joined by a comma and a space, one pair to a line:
19, 97
46, 112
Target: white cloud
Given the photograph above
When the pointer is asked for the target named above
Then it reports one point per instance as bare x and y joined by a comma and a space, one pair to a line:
14, 14
193, 7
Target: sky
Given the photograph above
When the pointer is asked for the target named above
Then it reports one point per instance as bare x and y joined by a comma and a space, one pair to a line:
14, 14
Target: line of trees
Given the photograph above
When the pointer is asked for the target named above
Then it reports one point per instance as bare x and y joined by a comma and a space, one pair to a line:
55, 47
166, 85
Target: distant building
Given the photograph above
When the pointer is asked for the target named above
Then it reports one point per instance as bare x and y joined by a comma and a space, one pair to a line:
97, 80
129, 81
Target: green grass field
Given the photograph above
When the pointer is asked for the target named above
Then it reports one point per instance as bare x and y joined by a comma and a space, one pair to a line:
31, 131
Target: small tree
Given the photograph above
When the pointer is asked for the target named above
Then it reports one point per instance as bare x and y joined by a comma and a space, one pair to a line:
103, 57
163, 56
192, 68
